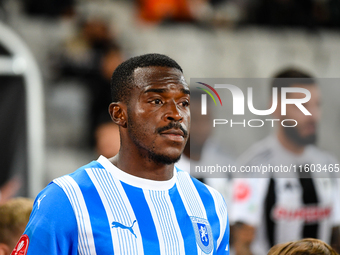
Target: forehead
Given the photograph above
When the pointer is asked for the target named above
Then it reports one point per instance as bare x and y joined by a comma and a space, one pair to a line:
159, 76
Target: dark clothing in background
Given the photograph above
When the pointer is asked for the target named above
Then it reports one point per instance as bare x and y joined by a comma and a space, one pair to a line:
13, 138
48, 8
285, 13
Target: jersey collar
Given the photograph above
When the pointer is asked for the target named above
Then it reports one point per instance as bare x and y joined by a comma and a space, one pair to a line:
137, 181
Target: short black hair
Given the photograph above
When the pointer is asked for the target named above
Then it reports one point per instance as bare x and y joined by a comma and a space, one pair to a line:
122, 77
290, 76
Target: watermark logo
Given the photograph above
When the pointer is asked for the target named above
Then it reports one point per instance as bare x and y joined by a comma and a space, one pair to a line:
280, 99
239, 98
204, 97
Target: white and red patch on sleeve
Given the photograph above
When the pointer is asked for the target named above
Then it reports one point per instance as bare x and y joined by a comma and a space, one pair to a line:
242, 191
22, 246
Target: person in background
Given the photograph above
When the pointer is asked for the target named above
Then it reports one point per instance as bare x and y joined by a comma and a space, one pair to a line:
307, 246
13, 137
105, 133
91, 57
14, 216
293, 205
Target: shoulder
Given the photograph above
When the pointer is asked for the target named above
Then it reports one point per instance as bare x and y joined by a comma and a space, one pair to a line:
52, 225
51, 205
319, 154
216, 196
210, 197
78, 178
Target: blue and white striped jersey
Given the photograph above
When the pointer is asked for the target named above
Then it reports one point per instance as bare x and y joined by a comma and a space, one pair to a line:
100, 209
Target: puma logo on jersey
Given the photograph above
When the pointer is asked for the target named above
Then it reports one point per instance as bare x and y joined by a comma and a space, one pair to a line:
120, 225
39, 200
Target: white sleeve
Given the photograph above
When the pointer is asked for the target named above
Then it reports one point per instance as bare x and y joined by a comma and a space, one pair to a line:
336, 202
248, 196
330, 159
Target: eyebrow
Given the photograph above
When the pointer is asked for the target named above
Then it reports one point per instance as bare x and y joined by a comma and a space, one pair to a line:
185, 91
155, 90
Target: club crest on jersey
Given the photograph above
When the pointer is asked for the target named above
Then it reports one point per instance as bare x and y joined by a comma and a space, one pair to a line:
203, 234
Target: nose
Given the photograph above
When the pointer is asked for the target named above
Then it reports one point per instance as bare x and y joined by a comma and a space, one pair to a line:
173, 112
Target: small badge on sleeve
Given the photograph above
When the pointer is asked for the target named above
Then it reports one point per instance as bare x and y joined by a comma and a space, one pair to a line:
22, 246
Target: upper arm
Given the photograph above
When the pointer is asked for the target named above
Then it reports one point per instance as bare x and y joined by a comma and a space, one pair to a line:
52, 228
248, 196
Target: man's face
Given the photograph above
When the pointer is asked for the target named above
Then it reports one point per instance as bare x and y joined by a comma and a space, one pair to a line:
158, 113
305, 132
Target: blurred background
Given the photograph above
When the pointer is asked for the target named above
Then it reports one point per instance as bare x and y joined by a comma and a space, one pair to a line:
57, 56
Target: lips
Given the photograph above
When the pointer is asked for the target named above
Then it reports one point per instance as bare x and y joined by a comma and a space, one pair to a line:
173, 134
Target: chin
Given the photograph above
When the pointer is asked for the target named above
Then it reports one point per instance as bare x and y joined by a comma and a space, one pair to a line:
164, 159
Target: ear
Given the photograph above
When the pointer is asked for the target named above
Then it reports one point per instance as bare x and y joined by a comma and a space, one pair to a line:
4, 249
118, 114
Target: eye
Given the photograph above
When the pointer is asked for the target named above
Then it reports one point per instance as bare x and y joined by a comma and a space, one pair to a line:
157, 101
185, 103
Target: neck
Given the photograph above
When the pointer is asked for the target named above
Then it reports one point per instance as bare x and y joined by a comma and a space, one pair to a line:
140, 165
288, 144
